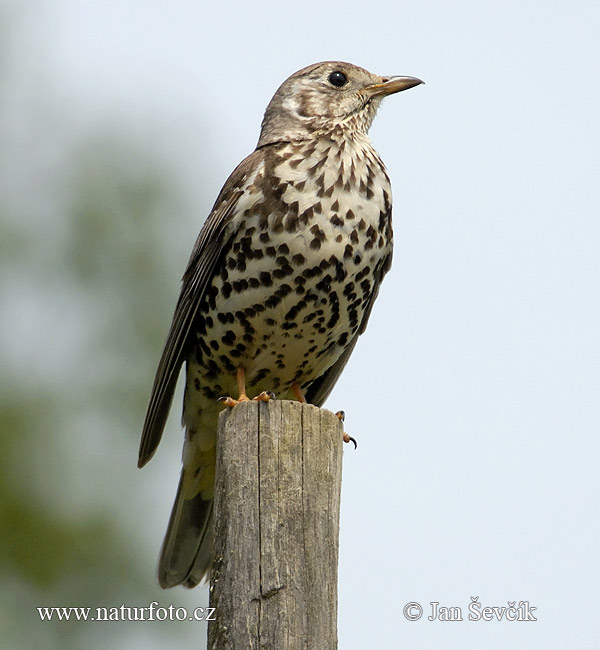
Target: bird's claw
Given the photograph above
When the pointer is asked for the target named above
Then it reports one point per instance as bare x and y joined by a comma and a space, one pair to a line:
231, 402
265, 396
346, 438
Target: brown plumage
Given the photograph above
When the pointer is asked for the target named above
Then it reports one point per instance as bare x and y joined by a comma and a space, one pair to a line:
281, 280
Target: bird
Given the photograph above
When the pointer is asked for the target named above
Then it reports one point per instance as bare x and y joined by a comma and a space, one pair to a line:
280, 283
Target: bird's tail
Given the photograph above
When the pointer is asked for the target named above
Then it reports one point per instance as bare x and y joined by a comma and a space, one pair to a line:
186, 552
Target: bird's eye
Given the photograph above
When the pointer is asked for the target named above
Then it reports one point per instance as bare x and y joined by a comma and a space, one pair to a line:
337, 78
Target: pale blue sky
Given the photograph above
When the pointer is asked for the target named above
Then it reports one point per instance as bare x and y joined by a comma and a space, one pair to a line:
474, 394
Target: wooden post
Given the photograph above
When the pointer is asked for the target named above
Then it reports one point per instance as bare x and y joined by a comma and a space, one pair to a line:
277, 507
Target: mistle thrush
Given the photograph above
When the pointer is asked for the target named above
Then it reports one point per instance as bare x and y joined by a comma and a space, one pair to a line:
280, 283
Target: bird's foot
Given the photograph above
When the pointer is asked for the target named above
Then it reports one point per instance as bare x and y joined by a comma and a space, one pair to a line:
346, 438
231, 402
265, 396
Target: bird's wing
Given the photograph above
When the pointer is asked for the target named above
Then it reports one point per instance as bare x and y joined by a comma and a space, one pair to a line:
320, 388
212, 240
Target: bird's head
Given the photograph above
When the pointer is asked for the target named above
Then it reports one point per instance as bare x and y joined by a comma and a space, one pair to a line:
325, 96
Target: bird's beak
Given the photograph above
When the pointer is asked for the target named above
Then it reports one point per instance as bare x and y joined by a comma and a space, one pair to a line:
391, 85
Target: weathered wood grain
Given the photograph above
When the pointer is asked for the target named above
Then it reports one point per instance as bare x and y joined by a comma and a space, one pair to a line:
277, 505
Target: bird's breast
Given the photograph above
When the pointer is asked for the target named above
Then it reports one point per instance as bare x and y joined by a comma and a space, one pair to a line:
310, 234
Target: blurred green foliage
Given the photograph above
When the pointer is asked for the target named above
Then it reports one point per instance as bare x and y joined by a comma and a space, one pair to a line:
85, 297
